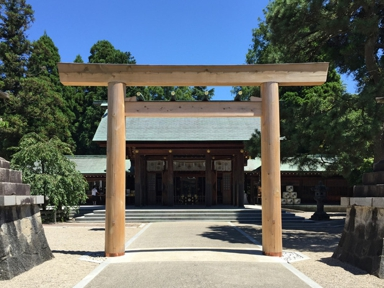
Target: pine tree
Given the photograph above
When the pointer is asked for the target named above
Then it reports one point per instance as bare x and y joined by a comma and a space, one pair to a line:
39, 105
15, 18
323, 120
89, 113
349, 34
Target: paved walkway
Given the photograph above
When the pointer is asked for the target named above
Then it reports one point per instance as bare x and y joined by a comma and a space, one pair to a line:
194, 254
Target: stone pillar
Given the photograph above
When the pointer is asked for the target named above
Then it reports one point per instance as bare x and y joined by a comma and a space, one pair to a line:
115, 194
270, 171
361, 243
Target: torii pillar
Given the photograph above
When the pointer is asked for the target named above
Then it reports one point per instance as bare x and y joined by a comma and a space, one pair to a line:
270, 171
268, 76
115, 196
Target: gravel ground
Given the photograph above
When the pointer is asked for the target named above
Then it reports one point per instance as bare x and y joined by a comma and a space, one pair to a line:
318, 242
78, 249
68, 242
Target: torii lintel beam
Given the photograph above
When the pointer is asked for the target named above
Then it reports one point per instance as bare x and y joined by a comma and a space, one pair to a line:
293, 74
193, 108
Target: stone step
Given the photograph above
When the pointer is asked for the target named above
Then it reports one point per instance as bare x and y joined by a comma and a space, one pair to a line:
8, 175
7, 188
373, 178
100, 219
220, 215
4, 163
368, 190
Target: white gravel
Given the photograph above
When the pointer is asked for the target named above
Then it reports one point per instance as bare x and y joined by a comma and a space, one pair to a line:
78, 249
69, 243
317, 245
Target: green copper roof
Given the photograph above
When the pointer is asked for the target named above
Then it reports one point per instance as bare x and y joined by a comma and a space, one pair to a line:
289, 166
184, 129
93, 164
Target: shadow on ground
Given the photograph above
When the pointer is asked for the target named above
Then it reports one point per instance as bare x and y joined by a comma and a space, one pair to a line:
227, 234
303, 238
347, 267
79, 252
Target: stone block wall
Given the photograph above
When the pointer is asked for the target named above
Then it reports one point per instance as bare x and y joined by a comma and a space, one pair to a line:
361, 243
371, 192
373, 185
23, 244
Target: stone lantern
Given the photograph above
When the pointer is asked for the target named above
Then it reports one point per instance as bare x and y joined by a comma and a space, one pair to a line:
320, 195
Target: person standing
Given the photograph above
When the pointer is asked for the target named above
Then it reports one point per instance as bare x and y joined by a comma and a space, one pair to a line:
94, 195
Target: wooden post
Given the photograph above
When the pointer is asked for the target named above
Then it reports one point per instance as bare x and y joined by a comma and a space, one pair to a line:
270, 171
170, 188
143, 191
115, 194
164, 177
252, 196
208, 179
138, 179
240, 180
214, 187
234, 190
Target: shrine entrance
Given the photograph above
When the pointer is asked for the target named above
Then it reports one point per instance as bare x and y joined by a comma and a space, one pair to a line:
268, 76
189, 190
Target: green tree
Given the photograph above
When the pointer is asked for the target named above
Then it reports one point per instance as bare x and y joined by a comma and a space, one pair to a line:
49, 172
37, 108
88, 113
39, 105
322, 121
181, 93
43, 60
15, 18
347, 33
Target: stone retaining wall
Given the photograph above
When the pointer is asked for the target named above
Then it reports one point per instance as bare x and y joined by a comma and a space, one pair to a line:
361, 243
23, 244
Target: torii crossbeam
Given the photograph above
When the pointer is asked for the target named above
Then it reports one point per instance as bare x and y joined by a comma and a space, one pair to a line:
268, 76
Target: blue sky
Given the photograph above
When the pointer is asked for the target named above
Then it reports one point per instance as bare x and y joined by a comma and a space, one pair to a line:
154, 31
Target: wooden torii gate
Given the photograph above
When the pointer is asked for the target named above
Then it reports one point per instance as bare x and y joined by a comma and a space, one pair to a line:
268, 76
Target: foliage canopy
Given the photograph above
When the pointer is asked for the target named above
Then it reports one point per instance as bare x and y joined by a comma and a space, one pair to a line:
49, 172
340, 129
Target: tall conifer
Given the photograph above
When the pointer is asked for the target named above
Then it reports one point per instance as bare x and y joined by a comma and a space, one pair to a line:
16, 17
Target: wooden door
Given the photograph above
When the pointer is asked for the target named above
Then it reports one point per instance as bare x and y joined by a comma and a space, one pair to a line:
226, 189
151, 188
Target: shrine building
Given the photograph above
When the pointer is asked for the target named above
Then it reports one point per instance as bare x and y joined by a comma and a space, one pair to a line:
188, 142
180, 161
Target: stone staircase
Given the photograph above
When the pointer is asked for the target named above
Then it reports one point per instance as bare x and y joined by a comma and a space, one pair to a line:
164, 215
11, 181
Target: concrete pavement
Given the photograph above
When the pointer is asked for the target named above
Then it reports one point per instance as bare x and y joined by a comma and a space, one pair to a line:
194, 254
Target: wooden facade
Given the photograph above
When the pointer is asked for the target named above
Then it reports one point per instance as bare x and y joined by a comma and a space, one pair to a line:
303, 183
204, 173
181, 173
